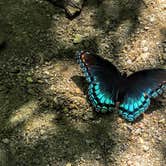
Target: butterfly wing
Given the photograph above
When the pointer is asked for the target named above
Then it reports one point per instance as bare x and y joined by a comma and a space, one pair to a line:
103, 78
138, 89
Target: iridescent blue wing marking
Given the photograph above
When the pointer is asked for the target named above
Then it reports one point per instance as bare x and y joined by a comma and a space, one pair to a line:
138, 89
103, 78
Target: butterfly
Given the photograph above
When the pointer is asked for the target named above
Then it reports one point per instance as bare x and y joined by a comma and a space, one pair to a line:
107, 86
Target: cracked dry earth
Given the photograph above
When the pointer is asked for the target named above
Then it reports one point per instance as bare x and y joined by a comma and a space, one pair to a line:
45, 116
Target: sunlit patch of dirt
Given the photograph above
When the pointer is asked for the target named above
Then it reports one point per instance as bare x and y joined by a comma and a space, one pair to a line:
23, 113
39, 126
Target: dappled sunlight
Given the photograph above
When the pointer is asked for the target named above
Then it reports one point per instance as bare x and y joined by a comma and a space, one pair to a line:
38, 126
144, 50
71, 33
137, 154
23, 113
58, 74
143, 53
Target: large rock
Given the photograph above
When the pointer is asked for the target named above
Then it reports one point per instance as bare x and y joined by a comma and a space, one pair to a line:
72, 7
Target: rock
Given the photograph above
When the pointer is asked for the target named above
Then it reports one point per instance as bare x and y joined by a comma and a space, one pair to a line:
77, 39
145, 49
89, 141
55, 17
29, 79
145, 148
72, 7
68, 164
5, 140
129, 61
72, 10
146, 28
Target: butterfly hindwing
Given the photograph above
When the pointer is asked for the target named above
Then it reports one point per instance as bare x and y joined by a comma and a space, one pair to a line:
103, 78
138, 89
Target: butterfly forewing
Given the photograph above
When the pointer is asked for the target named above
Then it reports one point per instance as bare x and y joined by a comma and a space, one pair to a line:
103, 78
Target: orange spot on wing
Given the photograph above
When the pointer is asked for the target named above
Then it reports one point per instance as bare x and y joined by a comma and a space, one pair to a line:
83, 57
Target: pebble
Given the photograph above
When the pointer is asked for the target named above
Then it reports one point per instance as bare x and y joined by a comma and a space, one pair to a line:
145, 49
145, 148
77, 39
42, 131
5, 140
141, 140
146, 28
29, 79
73, 9
68, 164
78, 90
129, 61
98, 157
152, 18
55, 17
88, 141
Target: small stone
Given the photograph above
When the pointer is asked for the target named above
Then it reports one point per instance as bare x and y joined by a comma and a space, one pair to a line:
146, 28
77, 39
46, 72
129, 163
159, 138
68, 164
145, 49
73, 6
40, 81
29, 79
55, 17
88, 141
42, 131
145, 148
129, 61
98, 157
138, 131
162, 121
5, 140
72, 10
141, 140
78, 90
65, 109
152, 18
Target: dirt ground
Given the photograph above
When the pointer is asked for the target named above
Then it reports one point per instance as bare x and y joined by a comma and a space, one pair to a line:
45, 116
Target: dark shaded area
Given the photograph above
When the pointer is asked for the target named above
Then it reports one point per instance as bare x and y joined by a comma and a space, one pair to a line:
163, 42
3, 45
81, 82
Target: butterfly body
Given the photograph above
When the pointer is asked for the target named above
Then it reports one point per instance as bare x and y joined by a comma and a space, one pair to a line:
107, 86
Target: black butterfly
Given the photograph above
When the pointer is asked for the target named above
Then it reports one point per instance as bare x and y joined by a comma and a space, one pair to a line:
107, 86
